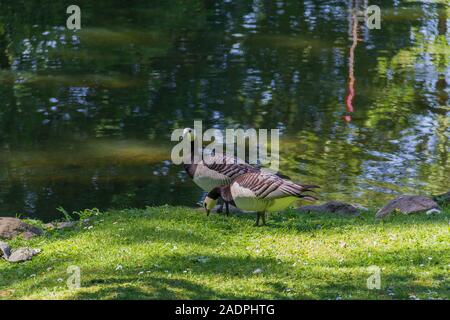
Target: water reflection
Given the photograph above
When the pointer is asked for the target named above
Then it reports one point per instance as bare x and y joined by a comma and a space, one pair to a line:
86, 116
353, 33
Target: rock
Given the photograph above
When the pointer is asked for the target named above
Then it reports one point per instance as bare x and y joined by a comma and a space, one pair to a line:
442, 199
6, 293
359, 207
5, 250
433, 211
12, 227
258, 271
29, 234
332, 207
19, 255
407, 204
65, 224
23, 254
60, 225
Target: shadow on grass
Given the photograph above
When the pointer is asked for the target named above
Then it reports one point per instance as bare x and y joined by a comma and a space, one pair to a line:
159, 279
149, 288
165, 278
108, 283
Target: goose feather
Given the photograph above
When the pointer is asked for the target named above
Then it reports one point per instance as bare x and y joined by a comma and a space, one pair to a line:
263, 191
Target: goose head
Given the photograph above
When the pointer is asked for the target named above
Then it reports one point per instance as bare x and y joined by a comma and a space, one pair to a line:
189, 134
211, 200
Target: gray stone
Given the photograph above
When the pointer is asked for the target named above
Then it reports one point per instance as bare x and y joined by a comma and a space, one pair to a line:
29, 234
23, 254
359, 207
258, 271
60, 225
407, 204
433, 211
13, 227
49, 225
337, 207
5, 250
65, 224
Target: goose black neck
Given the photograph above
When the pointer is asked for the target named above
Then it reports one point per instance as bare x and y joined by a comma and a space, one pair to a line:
214, 193
193, 151
190, 167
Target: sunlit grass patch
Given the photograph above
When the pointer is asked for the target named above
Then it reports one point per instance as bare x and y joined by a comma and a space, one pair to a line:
174, 252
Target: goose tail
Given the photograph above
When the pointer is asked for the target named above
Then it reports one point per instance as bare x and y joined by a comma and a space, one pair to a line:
308, 197
298, 190
308, 187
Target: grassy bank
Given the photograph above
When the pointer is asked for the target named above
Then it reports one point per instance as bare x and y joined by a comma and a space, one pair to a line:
173, 252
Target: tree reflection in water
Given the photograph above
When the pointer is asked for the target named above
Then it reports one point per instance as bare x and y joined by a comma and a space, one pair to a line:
85, 116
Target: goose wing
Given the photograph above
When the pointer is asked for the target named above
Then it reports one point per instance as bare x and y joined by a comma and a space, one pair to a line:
230, 167
270, 186
233, 167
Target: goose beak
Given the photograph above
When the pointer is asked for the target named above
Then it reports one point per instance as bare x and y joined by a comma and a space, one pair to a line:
204, 205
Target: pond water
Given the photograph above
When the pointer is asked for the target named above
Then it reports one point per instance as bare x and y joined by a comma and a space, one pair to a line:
86, 116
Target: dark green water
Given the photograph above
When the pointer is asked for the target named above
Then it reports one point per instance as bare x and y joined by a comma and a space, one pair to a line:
86, 116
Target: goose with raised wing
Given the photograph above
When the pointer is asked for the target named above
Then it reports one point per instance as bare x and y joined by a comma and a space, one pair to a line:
261, 192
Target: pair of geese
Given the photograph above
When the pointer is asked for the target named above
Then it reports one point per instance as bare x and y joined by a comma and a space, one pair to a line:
238, 183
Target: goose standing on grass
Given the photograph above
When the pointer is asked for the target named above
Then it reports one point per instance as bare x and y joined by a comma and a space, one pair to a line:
259, 191
221, 171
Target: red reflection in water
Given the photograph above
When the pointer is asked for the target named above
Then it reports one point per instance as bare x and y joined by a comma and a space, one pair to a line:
351, 62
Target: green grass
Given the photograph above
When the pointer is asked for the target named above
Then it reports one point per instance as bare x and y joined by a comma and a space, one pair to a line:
173, 253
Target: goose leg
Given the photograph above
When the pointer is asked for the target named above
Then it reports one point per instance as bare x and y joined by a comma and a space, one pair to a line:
263, 214
258, 215
227, 209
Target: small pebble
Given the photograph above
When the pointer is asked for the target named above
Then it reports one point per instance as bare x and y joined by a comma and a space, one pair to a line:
258, 271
